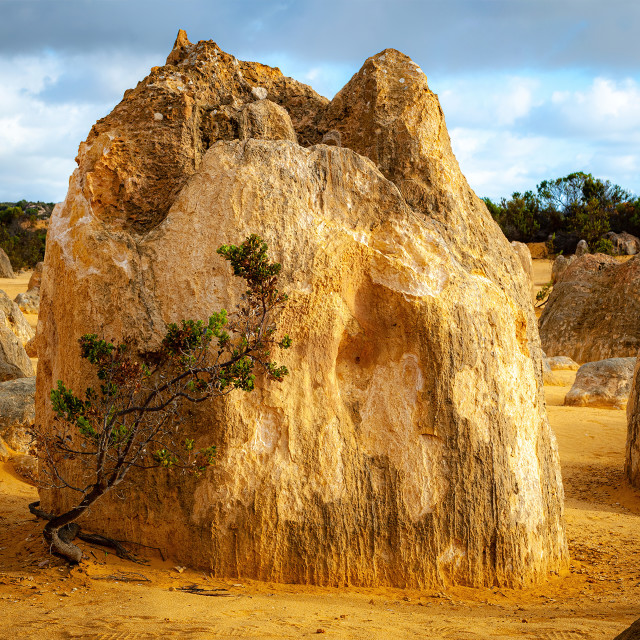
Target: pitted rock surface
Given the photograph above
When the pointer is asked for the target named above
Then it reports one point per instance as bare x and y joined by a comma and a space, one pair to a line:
592, 311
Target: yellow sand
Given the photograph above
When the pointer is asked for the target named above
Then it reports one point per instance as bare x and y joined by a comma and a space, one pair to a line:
595, 600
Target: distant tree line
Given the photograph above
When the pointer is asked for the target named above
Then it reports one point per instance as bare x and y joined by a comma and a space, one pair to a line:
22, 236
566, 210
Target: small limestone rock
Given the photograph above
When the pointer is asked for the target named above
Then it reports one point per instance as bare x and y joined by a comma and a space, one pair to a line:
29, 301
624, 244
550, 378
582, 248
562, 363
6, 270
259, 93
17, 412
605, 384
265, 120
560, 265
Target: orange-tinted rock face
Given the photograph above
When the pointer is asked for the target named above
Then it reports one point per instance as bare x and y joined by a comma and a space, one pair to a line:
136, 160
410, 445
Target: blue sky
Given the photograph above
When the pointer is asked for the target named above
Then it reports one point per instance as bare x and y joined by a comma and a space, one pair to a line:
531, 89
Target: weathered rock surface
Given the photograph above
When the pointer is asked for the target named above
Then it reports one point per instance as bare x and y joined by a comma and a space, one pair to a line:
14, 333
605, 384
592, 313
137, 159
559, 266
17, 412
265, 120
26, 466
632, 457
36, 276
524, 255
548, 376
582, 249
538, 250
562, 363
6, 270
410, 445
624, 244
12, 318
29, 301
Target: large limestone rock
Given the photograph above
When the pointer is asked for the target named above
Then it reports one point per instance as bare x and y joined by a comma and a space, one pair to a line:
6, 270
592, 313
604, 384
17, 412
410, 445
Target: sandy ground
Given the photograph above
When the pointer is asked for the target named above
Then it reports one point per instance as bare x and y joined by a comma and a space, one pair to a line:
110, 599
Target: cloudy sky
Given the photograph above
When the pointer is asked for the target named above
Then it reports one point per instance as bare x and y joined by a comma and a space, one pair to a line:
531, 89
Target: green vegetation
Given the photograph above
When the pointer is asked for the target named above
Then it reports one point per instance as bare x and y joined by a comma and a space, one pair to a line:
131, 421
569, 209
22, 234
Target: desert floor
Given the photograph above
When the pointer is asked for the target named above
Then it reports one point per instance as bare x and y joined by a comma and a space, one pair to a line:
107, 598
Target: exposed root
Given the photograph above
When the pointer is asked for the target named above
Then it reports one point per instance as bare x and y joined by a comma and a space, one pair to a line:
60, 539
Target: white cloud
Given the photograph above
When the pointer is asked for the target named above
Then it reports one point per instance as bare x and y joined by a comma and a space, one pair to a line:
44, 117
511, 132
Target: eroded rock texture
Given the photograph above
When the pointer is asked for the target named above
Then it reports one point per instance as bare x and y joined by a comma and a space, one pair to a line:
632, 459
592, 312
605, 384
410, 445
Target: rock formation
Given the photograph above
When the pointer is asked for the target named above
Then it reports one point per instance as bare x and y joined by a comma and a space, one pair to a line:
17, 412
524, 255
582, 249
11, 318
594, 292
624, 244
559, 266
6, 270
604, 384
15, 332
36, 276
29, 301
562, 363
632, 458
410, 445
